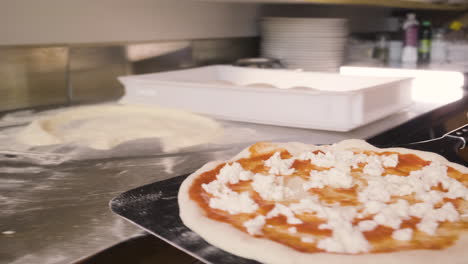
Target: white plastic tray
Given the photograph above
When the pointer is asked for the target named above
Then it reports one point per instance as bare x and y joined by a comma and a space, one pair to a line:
327, 101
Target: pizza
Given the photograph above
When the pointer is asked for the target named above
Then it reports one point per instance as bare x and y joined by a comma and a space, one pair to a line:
346, 202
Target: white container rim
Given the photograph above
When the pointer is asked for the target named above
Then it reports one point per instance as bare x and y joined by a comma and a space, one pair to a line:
234, 86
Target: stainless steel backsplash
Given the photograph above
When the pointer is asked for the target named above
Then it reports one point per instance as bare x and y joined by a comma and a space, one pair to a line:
34, 76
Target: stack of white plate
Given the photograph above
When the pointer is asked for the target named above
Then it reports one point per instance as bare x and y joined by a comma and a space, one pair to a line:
312, 44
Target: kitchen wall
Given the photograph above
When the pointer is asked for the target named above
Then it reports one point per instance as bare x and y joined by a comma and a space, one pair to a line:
56, 52
94, 21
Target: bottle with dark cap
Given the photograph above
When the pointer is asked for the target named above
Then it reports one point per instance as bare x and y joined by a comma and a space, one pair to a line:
425, 41
410, 48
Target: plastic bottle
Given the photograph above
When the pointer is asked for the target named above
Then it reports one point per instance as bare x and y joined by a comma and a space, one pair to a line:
425, 39
381, 48
438, 48
410, 49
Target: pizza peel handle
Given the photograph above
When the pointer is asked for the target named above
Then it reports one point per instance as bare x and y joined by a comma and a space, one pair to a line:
450, 145
460, 133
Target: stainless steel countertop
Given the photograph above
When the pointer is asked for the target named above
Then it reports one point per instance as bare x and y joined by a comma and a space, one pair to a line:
59, 213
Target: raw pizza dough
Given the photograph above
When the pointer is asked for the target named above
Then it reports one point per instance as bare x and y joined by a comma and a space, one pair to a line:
230, 239
105, 126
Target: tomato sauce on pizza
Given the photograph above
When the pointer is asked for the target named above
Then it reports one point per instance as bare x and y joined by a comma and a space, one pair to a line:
303, 230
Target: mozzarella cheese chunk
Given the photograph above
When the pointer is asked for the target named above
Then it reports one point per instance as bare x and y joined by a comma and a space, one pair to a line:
379, 191
216, 188
310, 204
375, 191
307, 239
389, 161
233, 174
337, 177
254, 226
428, 226
420, 209
320, 159
345, 239
226, 199
367, 225
431, 217
234, 203
281, 209
373, 167
279, 166
373, 207
271, 188
392, 215
403, 234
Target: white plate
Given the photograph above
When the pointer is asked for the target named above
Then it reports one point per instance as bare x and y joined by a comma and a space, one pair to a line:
305, 40
302, 57
312, 65
303, 33
305, 54
309, 43
308, 47
312, 61
304, 27
334, 69
302, 37
298, 57
303, 46
305, 21
315, 63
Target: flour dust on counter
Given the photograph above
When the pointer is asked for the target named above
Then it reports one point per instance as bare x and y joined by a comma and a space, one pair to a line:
106, 126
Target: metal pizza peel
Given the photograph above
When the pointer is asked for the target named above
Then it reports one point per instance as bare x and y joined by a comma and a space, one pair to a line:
154, 207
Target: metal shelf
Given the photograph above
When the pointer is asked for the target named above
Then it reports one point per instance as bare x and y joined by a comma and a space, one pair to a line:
395, 4
409, 4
